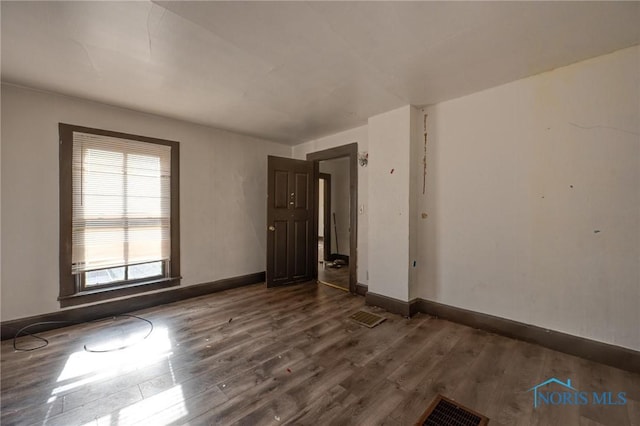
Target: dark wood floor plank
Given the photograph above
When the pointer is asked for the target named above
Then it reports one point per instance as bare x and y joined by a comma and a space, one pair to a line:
633, 410
24, 414
511, 402
374, 405
97, 408
425, 360
334, 276
171, 401
591, 377
287, 405
329, 403
492, 362
244, 384
236, 408
562, 367
442, 372
291, 355
380, 368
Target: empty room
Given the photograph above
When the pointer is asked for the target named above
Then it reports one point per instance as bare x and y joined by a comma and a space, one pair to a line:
333, 213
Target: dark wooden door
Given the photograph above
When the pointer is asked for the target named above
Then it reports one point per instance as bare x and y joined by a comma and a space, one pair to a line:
291, 250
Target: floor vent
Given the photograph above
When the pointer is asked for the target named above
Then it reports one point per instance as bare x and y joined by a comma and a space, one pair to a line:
445, 412
367, 318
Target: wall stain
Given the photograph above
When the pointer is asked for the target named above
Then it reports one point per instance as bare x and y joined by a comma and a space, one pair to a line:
598, 126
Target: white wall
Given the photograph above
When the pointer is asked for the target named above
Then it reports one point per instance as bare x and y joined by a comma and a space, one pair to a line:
417, 169
534, 201
338, 168
1, 203
222, 194
359, 135
389, 185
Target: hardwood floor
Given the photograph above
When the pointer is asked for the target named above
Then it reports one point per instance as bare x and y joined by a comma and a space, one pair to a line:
291, 356
334, 276
331, 275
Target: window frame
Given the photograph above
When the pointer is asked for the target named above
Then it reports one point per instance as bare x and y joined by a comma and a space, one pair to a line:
81, 278
72, 290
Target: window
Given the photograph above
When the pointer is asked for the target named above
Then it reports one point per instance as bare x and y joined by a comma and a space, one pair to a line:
119, 214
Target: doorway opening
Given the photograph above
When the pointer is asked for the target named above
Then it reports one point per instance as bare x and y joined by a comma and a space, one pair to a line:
336, 216
333, 223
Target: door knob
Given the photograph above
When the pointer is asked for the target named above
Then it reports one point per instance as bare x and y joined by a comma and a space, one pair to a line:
272, 228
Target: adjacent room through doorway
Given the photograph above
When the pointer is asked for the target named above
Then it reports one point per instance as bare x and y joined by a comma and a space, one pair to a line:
334, 222
336, 171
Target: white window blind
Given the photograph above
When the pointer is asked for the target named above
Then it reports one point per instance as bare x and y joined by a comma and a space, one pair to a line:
121, 202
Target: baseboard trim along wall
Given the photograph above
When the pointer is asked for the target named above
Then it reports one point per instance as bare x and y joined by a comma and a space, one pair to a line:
361, 289
388, 303
615, 356
116, 307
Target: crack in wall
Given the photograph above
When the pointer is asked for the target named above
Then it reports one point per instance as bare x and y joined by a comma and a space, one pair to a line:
599, 126
86, 52
149, 30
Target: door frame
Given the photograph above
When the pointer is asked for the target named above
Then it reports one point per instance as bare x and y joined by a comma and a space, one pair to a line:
326, 213
351, 151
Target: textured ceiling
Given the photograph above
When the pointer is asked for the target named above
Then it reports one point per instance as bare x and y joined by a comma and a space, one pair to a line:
294, 71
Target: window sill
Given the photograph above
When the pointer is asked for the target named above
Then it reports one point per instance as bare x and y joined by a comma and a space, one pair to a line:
101, 294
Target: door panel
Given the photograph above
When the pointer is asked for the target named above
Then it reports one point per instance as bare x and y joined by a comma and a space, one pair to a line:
301, 238
290, 221
302, 191
281, 189
280, 236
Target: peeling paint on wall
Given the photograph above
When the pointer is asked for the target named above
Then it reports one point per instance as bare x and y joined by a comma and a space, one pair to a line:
424, 158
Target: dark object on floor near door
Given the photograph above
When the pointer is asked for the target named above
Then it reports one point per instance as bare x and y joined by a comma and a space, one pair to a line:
338, 263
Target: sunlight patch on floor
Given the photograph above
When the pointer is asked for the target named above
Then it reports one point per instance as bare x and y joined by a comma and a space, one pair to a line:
84, 367
141, 411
